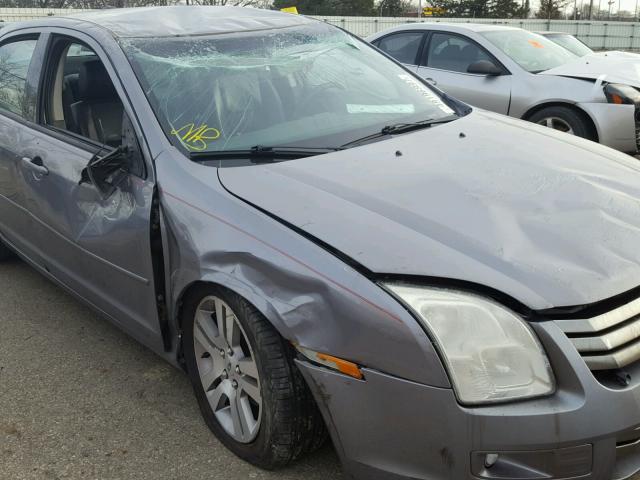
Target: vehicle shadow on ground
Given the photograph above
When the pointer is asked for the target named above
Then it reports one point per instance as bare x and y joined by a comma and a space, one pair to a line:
80, 399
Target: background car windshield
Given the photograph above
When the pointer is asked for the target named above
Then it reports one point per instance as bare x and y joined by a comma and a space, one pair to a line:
532, 52
306, 86
571, 43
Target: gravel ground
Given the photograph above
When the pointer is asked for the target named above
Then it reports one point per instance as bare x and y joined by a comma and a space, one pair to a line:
81, 400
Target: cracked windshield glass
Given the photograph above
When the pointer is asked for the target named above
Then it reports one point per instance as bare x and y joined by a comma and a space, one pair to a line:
307, 86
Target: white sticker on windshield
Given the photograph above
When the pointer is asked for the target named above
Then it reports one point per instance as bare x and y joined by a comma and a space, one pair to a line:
399, 108
426, 92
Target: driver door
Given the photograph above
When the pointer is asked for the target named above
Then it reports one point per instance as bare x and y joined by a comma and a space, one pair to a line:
96, 244
445, 60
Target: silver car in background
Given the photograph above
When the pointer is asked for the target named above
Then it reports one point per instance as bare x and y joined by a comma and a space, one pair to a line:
568, 41
524, 75
581, 49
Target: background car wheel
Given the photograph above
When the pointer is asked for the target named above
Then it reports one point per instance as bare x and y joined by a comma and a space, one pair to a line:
250, 392
5, 252
564, 119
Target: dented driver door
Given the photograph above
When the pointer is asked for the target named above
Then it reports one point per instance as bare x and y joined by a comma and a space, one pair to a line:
99, 247
97, 243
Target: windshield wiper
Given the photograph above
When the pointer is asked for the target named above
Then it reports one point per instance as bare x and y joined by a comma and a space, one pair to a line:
264, 153
400, 128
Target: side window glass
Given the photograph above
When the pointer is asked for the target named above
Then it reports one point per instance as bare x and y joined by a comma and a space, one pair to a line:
82, 99
402, 46
453, 53
15, 58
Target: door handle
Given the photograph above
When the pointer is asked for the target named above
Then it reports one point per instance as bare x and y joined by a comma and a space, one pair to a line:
431, 81
35, 164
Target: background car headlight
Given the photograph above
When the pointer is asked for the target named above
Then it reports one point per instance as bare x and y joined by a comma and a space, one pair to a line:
621, 94
491, 354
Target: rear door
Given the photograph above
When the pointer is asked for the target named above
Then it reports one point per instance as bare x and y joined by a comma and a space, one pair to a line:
444, 62
20, 62
95, 242
403, 46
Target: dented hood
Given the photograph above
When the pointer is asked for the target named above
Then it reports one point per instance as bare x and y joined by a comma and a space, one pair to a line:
612, 67
547, 218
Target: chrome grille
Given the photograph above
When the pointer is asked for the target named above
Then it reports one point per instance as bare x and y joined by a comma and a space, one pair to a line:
608, 341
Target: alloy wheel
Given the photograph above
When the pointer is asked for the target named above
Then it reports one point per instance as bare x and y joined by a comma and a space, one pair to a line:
557, 124
227, 369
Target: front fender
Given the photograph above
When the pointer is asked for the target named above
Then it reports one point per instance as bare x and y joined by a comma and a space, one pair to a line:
615, 124
310, 296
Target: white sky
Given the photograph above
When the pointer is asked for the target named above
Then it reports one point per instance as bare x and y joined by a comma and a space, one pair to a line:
628, 5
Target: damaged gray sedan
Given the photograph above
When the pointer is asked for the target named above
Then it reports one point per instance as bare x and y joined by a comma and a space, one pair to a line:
327, 245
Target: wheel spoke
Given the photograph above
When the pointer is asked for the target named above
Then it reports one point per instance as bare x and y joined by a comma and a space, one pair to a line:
248, 367
210, 375
206, 333
247, 420
549, 122
236, 414
228, 325
215, 396
250, 387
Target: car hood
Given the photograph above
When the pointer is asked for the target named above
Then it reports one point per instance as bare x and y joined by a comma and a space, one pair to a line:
618, 54
550, 219
612, 67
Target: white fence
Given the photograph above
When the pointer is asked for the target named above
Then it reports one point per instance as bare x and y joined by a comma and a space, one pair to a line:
598, 35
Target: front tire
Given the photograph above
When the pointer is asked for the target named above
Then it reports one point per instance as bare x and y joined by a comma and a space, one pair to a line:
564, 119
250, 393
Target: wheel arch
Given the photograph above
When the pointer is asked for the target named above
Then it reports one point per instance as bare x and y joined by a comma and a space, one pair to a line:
233, 285
572, 106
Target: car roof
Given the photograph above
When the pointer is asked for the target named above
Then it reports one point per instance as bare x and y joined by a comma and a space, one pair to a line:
454, 27
475, 27
180, 20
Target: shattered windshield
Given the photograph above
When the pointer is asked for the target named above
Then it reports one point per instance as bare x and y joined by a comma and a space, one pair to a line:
304, 86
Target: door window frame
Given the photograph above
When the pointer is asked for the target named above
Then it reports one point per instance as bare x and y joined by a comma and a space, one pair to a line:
418, 56
34, 71
424, 55
47, 74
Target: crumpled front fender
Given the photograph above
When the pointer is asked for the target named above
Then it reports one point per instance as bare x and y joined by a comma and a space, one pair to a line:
310, 296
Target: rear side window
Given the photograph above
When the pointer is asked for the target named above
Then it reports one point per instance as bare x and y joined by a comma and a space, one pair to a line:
453, 53
402, 46
15, 58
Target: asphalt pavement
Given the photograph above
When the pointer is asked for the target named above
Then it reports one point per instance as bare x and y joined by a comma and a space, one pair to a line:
79, 399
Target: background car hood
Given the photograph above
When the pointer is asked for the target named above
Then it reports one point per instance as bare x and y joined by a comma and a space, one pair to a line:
550, 219
618, 54
610, 67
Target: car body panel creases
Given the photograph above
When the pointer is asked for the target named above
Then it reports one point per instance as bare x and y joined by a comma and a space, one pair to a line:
413, 214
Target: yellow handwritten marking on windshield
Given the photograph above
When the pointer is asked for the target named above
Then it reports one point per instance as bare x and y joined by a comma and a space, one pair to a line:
196, 138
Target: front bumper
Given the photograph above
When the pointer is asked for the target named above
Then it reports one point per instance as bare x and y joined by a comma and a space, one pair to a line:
617, 125
387, 428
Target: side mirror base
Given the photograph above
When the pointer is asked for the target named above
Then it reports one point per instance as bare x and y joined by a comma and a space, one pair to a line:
484, 67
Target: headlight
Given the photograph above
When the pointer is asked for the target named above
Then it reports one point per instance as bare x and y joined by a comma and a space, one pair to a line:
491, 354
621, 94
